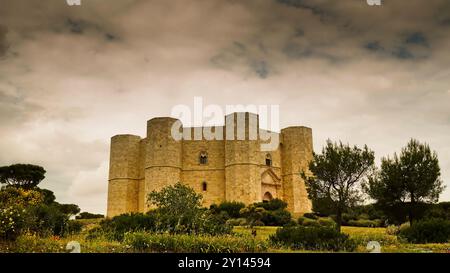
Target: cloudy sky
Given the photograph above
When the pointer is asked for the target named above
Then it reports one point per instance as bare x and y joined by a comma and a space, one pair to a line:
73, 76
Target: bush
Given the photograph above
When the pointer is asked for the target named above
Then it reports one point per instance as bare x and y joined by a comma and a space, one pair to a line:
237, 222
307, 222
231, 208
179, 210
427, 231
319, 222
310, 216
274, 204
73, 227
392, 230
326, 222
48, 220
183, 243
116, 227
363, 239
278, 217
365, 223
313, 238
11, 222
404, 226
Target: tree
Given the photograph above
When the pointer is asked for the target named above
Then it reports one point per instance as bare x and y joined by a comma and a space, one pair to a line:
179, 208
69, 209
407, 181
22, 175
336, 175
88, 215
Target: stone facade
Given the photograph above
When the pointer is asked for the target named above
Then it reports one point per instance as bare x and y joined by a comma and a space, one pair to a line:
221, 170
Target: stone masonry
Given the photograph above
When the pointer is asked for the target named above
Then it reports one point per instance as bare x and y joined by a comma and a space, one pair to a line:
221, 170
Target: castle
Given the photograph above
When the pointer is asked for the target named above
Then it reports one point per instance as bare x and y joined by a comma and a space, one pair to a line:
221, 169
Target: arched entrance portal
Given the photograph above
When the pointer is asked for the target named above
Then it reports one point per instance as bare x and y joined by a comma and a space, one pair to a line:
270, 186
267, 197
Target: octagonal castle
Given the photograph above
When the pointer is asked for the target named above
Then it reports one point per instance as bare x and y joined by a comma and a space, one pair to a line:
222, 169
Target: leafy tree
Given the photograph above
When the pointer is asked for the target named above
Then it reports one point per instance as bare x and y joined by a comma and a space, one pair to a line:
408, 180
48, 195
22, 175
69, 209
336, 175
88, 215
179, 209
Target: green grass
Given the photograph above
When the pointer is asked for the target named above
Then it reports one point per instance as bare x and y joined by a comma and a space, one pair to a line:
362, 235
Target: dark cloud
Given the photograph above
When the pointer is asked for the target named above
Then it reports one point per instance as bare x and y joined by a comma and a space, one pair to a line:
3, 42
417, 38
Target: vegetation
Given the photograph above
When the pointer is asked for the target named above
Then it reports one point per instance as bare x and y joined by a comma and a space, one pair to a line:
141, 241
22, 175
87, 215
179, 210
313, 238
407, 181
336, 176
427, 231
230, 208
32, 221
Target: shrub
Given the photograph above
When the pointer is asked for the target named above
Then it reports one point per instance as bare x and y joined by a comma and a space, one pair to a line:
274, 204
180, 211
364, 223
427, 231
310, 216
48, 220
326, 222
184, 243
392, 230
404, 226
253, 214
237, 222
36, 244
363, 239
231, 208
258, 223
313, 238
307, 222
319, 222
11, 222
116, 227
440, 210
278, 217
73, 227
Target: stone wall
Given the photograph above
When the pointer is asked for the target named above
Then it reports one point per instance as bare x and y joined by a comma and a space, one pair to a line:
236, 169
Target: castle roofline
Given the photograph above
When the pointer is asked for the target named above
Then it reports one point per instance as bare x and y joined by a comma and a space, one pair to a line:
297, 127
159, 118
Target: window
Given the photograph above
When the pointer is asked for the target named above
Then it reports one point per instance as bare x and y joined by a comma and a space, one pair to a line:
204, 186
268, 160
203, 158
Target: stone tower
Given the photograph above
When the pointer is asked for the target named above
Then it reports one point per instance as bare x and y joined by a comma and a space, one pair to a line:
232, 168
296, 153
163, 155
242, 170
124, 177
